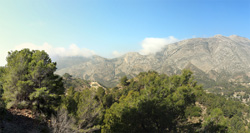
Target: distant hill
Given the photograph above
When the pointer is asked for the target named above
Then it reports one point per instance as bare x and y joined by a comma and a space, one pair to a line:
65, 62
213, 60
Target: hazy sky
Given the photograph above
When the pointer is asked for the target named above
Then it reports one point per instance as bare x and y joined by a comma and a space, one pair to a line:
112, 27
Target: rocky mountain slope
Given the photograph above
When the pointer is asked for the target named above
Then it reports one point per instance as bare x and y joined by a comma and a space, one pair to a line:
212, 59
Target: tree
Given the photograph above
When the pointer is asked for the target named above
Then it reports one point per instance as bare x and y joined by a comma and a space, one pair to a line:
124, 81
237, 124
30, 81
69, 102
62, 122
215, 122
85, 108
100, 94
16, 83
154, 103
67, 76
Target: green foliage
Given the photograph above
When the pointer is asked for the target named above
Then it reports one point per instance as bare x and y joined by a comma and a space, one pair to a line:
218, 107
108, 100
193, 111
89, 111
85, 107
149, 102
155, 103
77, 83
229, 107
124, 81
29, 78
100, 93
105, 99
69, 101
67, 76
237, 125
215, 122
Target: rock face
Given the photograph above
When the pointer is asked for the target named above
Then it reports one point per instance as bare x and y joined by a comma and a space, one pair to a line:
215, 58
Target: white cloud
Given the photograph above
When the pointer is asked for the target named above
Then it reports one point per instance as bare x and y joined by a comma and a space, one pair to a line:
153, 45
117, 54
73, 50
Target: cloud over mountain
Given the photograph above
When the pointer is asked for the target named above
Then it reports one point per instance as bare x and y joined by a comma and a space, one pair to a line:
153, 45
210, 58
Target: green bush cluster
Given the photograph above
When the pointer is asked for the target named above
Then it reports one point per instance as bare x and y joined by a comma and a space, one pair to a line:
29, 82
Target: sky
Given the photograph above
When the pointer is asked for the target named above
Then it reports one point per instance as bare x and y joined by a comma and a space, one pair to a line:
110, 28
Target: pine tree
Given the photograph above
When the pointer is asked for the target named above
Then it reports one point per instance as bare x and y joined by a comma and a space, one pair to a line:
30, 81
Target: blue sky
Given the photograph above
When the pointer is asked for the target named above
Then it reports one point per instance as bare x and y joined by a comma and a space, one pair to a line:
112, 27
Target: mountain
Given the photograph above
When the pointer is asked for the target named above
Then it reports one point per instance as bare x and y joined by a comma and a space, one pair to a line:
213, 59
64, 62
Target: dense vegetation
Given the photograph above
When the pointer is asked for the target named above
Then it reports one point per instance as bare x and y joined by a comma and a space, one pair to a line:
153, 102
149, 102
29, 82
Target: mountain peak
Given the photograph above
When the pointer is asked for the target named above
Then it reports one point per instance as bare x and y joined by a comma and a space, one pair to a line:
97, 57
233, 36
239, 39
218, 35
132, 54
221, 37
202, 55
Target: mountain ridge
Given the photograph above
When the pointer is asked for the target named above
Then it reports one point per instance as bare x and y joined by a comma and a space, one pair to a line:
210, 56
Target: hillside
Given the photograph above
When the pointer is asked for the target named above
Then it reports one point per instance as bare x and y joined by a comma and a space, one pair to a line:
149, 102
214, 59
